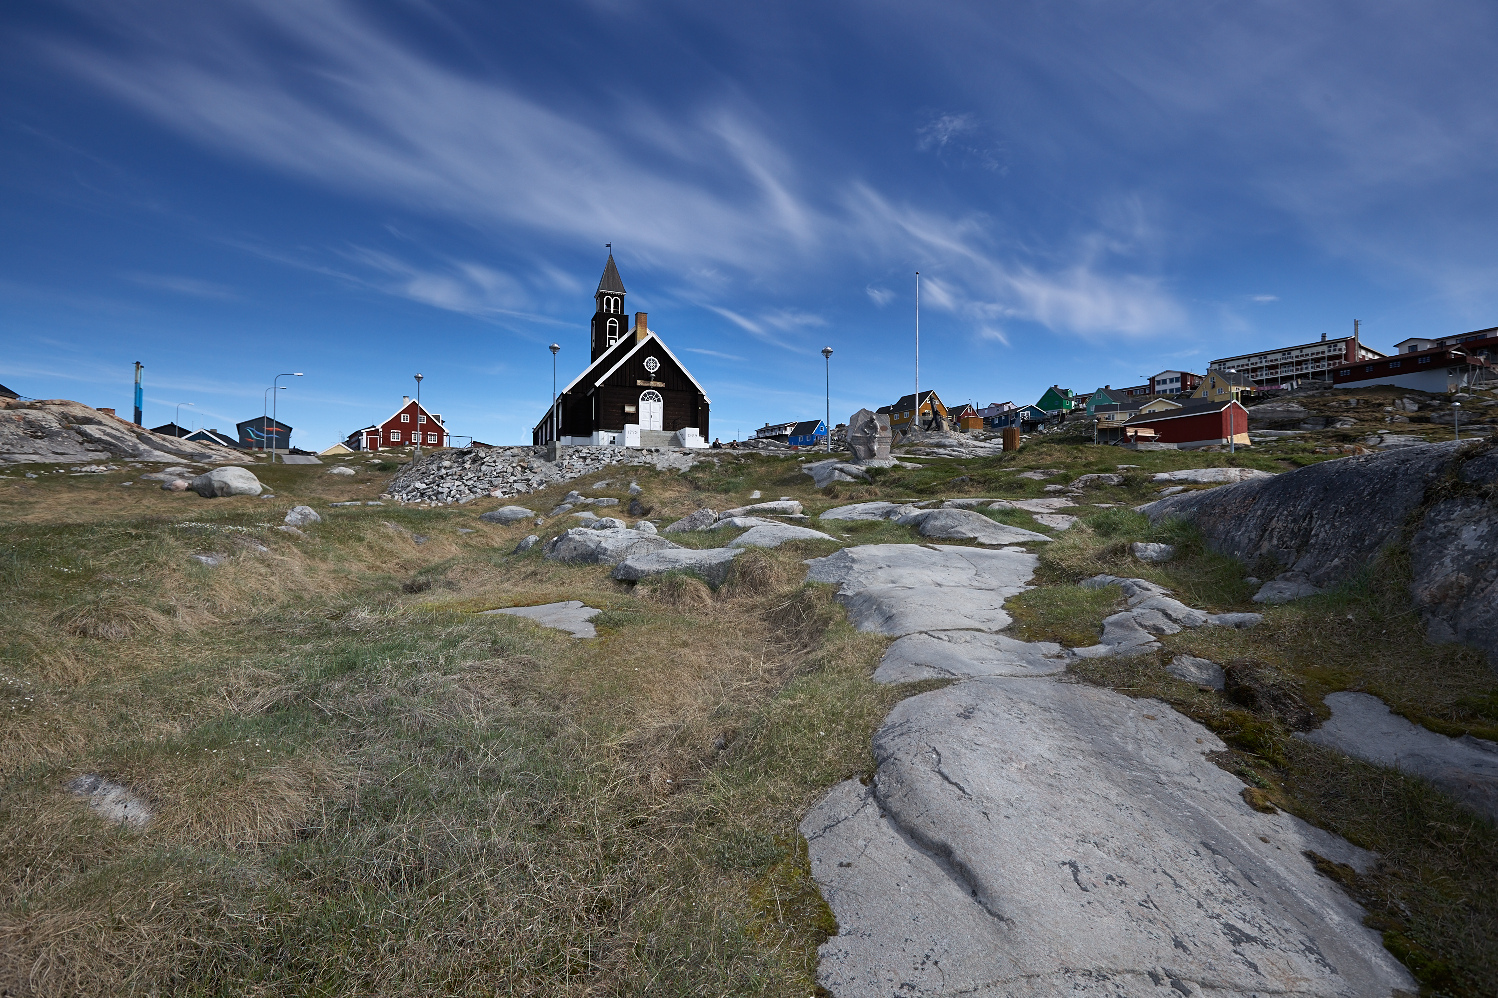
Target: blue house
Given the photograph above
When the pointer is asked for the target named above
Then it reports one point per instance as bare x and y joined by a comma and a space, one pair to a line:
1026, 418
807, 433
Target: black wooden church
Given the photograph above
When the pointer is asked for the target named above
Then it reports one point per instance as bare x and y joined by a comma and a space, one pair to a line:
634, 393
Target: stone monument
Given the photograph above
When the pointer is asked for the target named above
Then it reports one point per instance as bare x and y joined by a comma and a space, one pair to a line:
868, 436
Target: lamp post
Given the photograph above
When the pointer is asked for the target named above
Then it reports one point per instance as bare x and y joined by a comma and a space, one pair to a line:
827, 356
265, 414
273, 400
554, 348
417, 452
176, 419
1456, 418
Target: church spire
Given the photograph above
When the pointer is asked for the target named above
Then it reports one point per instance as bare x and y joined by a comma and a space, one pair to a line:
609, 323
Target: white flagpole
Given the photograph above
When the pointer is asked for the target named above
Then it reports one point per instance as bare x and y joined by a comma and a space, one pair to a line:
917, 416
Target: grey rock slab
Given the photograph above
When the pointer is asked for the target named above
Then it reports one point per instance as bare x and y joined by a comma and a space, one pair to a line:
712, 565
570, 616
1201, 671
1049, 505
1363, 727
862, 511
772, 535
602, 547
778, 506
824, 473
302, 516
608, 523
964, 503
210, 560
1173, 490
702, 519
1236, 620
1455, 573
1038, 475
899, 589
1056, 521
230, 481
1105, 478
340, 471
745, 522
1200, 476
1153, 552
111, 801
967, 654
1024, 837
1284, 589
507, 515
526, 543
957, 524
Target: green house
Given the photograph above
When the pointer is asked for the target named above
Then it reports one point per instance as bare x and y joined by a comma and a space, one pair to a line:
1106, 395
1056, 399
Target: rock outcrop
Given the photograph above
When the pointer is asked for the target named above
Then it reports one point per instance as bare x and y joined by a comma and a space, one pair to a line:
59, 431
1328, 521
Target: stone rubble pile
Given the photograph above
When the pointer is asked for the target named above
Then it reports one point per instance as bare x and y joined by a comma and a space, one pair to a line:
471, 472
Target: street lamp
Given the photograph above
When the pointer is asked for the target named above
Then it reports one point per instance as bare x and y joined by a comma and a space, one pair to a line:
1456, 418
273, 419
264, 413
554, 348
176, 420
827, 356
417, 453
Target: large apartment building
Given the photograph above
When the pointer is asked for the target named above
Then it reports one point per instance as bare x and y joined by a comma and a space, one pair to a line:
1303, 362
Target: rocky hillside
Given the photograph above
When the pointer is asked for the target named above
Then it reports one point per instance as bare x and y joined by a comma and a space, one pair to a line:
59, 431
461, 475
1330, 520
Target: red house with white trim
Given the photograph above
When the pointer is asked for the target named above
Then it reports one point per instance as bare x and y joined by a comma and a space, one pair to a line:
1200, 424
407, 426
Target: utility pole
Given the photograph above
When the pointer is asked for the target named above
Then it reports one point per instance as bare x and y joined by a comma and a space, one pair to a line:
827, 356
417, 453
554, 348
138, 396
917, 416
275, 423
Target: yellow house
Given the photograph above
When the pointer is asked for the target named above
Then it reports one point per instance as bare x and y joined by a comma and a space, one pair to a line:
1223, 386
1158, 405
901, 413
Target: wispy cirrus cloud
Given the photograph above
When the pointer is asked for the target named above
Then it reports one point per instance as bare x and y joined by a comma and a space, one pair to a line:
363, 112
191, 286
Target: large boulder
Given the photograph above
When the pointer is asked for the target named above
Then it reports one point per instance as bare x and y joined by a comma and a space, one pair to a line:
711, 564
965, 524
824, 473
602, 547
869, 436
702, 519
226, 482
507, 515
772, 535
1328, 521
302, 516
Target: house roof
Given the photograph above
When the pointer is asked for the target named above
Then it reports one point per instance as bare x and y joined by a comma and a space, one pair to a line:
1115, 407
7, 393
1233, 378
610, 280
805, 428
1194, 409
907, 402
649, 335
420, 409
213, 436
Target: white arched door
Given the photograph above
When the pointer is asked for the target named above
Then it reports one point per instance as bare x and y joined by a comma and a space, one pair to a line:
651, 410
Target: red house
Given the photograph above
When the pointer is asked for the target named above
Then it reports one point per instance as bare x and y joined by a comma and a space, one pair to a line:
409, 425
1199, 424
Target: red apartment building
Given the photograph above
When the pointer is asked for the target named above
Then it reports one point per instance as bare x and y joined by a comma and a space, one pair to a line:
407, 426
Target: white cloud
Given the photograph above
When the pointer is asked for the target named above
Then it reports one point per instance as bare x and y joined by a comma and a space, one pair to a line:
1263, 299
712, 353
880, 296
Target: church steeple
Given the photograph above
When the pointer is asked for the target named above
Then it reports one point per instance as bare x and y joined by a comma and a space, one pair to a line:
609, 322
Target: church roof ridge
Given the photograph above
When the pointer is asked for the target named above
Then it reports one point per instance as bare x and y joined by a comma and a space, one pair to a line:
610, 281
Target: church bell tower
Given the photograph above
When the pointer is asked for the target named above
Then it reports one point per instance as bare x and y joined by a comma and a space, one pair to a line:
610, 323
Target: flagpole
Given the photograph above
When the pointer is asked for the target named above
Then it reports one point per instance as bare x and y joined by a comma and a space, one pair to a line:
917, 416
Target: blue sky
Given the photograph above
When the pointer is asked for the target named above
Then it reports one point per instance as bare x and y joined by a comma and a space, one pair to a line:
1093, 191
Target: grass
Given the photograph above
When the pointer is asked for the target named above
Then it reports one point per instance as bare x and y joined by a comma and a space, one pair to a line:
364, 788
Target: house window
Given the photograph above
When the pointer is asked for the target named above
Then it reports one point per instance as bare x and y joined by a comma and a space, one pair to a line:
611, 335
611, 304
421, 419
405, 417
395, 436
1346, 372
431, 438
1368, 369
1425, 360
1395, 363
